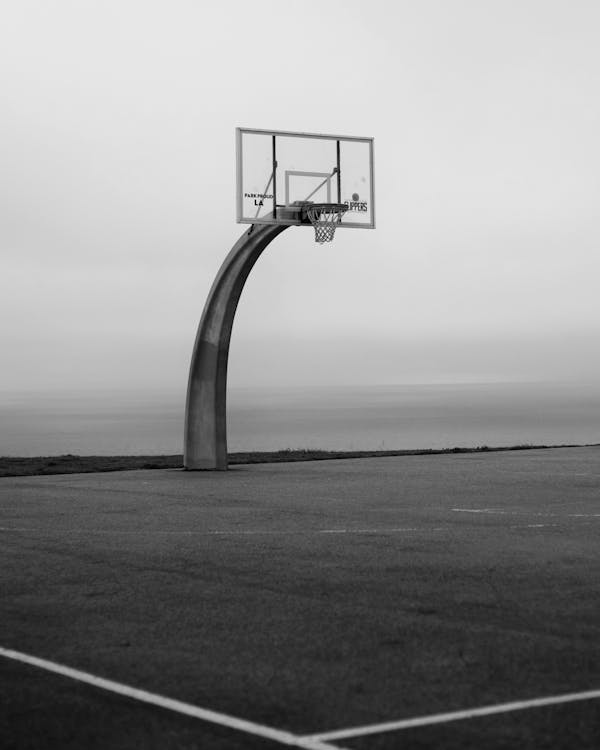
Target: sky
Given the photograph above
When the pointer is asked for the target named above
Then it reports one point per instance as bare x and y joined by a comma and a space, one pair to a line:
117, 190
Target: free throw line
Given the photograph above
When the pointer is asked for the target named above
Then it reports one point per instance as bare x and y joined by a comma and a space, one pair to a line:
213, 717
470, 713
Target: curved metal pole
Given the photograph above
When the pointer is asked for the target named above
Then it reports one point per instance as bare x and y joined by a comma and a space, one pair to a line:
205, 442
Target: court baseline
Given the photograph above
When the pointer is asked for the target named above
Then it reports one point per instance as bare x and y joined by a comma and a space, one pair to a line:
470, 713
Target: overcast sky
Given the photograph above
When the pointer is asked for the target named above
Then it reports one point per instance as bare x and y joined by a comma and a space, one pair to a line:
117, 189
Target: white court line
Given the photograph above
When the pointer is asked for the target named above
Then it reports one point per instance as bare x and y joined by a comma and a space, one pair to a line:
471, 713
535, 526
234, 532
544, 514
213, 717
381, 531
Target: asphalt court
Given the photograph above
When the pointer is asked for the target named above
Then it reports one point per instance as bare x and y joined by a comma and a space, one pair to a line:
308, 598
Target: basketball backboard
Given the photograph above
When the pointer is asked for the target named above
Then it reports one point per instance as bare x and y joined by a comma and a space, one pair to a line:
278, 171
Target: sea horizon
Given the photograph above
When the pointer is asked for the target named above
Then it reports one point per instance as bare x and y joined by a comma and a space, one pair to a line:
266, 418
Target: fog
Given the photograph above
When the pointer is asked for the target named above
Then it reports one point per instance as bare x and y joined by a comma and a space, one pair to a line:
117, 190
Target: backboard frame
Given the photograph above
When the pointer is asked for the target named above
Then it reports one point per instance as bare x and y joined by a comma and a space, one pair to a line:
281, 213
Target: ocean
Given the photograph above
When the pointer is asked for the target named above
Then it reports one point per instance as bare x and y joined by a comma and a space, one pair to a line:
341, 418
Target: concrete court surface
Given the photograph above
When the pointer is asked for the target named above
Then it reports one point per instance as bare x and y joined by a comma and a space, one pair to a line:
308, 597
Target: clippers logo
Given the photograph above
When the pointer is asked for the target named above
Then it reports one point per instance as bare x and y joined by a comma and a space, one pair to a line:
357, 205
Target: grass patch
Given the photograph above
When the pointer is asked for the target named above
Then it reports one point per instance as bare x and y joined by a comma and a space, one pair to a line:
69, 464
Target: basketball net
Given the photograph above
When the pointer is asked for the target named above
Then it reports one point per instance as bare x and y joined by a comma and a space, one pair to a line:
325, 217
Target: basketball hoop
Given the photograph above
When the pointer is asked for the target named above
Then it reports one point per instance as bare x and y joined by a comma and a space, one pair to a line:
325, 217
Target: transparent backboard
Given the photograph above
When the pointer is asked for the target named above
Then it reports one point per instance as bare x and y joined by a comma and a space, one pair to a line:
279, 171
